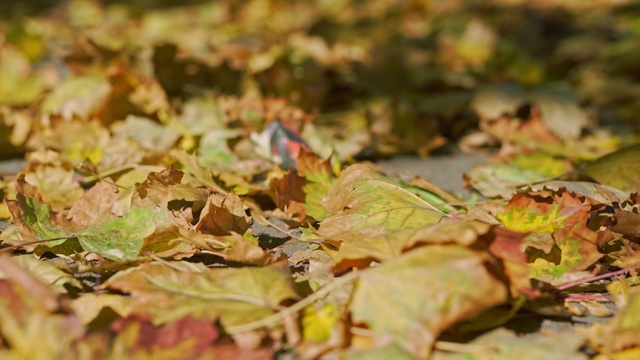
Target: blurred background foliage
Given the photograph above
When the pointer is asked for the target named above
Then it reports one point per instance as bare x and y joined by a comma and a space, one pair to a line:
405, 72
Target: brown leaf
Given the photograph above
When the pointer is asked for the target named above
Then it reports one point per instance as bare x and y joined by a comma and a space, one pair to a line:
94, 205
223, 215
191, 337
289, 188
235, 296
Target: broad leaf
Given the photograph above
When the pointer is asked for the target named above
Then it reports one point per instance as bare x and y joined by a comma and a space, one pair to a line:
363, 203
502, 344
411, 299
234, 296
620, 169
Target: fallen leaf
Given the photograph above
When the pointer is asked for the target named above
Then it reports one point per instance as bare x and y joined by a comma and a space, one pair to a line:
620, 169
79, 96
412, 299
223, 214
621, 332
94, 205
122, 238
502, 344
88, 306
234, 296
46, 272
363, 203
186, 337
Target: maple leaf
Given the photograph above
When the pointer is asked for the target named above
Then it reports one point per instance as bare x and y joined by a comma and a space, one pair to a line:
555, 219
223, 214
363, 203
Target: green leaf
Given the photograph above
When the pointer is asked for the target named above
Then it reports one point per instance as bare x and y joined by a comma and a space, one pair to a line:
121, 238
34, 221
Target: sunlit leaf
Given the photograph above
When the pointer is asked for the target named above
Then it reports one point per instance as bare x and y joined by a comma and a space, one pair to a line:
122, 238
234, 296
411, 299
80, 96
502, 344
363, 203
318, 324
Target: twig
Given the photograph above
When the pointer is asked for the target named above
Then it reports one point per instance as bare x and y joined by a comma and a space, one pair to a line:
595, 278
580, 297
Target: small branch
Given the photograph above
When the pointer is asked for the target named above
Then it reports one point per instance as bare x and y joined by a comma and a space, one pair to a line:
595, 278
578, 297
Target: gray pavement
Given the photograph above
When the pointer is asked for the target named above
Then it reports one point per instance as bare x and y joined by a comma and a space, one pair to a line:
445, 171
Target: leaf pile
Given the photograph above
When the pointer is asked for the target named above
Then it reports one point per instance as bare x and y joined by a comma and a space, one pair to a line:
190, 187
